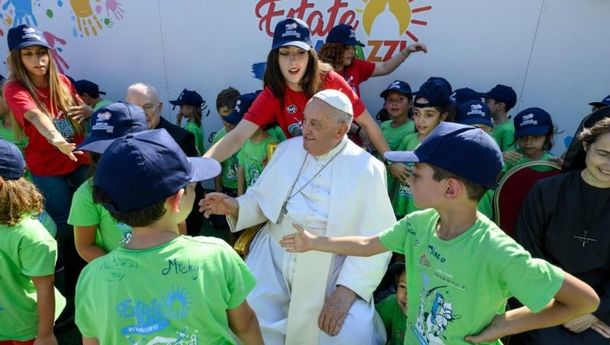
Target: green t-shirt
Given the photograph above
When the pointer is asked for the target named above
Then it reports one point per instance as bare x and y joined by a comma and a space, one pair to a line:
504, 135
175, 293
99, 105
277, 133
394, 320
110, 234
456, 287
253, 157
524, 159
229, 165
484, 205
402, 200
198, 133
8, 134
26, 250
394, 136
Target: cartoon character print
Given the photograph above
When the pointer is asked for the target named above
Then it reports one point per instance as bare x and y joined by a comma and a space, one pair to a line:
434, 315
254, 174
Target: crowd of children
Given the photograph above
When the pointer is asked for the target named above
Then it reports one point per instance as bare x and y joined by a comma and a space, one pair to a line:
86, 156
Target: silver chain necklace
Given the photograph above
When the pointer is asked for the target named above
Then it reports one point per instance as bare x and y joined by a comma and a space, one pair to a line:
283, 211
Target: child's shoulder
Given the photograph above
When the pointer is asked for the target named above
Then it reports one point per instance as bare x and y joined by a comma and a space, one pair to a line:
29, 228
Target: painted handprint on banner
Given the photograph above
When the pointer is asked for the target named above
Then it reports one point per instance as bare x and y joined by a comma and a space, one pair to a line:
87, 22
54, 49
23, 12
114, 7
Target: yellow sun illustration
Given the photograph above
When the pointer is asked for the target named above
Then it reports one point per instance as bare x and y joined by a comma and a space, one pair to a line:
401, 9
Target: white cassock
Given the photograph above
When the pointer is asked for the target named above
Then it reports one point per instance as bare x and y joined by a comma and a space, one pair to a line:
347, 197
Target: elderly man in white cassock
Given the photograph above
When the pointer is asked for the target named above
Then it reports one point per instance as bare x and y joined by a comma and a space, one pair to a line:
330, 186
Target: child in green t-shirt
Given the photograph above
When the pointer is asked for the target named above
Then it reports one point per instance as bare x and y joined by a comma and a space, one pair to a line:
397, 103
393, 309
253, 157
461, 268
29, 303
500, 100
534, 132
227, 104
191, 104
95, 231
432, 106
161, 287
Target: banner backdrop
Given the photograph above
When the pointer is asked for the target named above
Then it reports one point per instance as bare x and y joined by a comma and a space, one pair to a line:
553, 53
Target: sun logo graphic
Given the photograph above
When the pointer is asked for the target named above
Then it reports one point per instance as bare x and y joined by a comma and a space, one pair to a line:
391, 20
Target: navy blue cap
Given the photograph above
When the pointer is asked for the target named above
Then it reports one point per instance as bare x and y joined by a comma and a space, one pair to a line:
603, 103
463, 150
292, 32
188, 97
533, 121
12, 165
443, 82
24, 36
397, 86
465, 94
474, 113
241, 108
141, 169
86, 86
435, 93
111, 122
503, 94
345, 34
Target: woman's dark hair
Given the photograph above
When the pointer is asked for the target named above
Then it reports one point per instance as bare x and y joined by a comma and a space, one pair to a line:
332, 54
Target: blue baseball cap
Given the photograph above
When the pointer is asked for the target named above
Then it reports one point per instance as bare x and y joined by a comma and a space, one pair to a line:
24, 36
603, 103
435, 93
111, 122
474, 113
143, 168
397, 86
12, 165
443, 82
292, 32
465, 94
188, 97
533, 121
241, 108
86, 86
345, 34
504, 94
463, 150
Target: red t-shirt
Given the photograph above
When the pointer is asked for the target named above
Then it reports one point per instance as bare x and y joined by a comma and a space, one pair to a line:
358, 72
288, 113
42, 158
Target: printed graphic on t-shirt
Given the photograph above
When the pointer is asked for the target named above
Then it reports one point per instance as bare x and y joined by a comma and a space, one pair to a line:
64, 127
404, 191
149, 320
126, 231
254, 174
435, 313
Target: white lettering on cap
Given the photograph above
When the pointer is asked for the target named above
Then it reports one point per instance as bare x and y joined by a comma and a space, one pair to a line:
104, 116
291, 30
528, 120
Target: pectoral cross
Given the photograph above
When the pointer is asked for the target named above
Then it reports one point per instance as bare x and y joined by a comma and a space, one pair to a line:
283, 212
585, 240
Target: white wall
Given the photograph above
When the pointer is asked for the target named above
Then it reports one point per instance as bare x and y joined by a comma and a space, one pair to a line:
554, 53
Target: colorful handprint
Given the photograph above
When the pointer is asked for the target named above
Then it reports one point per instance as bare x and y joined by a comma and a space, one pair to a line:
86, 20
115, 7
23, 12
53, 40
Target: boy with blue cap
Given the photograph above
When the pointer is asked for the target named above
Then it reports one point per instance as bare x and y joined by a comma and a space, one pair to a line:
500, 100
164, 287
95, 231
190, 103
28, 301
461, 268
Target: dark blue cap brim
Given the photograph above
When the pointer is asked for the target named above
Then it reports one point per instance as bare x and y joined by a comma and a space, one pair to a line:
477, 121
385, 92
533, 130
599, 104
299, 44
204, 168
31, 43
401, 156
92, 144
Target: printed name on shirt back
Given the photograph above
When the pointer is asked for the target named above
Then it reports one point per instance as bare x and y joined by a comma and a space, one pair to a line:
177, 266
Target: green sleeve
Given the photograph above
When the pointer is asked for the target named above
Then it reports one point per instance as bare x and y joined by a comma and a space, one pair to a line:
83, 316
484, 205
83, 211
507, 138
394, 239
38, 253
384, 308
240, 280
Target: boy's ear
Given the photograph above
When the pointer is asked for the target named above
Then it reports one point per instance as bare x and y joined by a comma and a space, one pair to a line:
173, 201
454, 188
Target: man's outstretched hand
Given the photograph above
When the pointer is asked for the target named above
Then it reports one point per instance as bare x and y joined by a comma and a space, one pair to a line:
218, 203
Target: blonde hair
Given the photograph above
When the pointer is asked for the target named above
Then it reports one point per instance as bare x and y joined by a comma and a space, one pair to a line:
60, 97
18, 198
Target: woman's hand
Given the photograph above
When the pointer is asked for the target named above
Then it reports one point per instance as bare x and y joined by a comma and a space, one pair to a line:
66, 148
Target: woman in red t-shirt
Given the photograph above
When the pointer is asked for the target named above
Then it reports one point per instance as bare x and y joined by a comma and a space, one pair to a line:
340, 52
41, 99
293, 75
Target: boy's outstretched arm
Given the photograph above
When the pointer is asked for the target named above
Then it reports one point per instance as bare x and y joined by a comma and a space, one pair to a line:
243, 322
574, 298
303, 240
